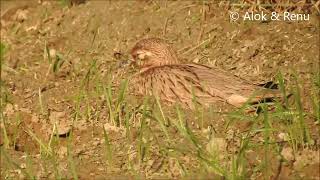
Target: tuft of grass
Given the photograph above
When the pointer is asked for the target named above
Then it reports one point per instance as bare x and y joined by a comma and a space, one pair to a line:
55, 60
65, 2
108, 147
208, 160
3, 49
266, 141
161, 119
44, 148
303, 133
143, 134
3, 100
315, 97
115, 111
71, 162
58, 62
183, 128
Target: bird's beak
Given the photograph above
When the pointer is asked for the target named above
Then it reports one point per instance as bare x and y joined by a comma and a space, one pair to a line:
125, 63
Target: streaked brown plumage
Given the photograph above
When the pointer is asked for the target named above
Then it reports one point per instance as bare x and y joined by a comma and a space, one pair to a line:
161, 74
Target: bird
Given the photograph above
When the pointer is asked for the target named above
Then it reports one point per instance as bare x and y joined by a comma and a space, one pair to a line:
162, 74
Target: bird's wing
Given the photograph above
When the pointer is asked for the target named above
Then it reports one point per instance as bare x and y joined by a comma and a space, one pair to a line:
234, 90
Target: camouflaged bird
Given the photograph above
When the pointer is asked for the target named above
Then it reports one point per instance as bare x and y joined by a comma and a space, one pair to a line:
161, 74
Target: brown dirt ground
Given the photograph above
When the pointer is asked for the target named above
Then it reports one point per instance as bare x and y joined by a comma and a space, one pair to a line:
105, 31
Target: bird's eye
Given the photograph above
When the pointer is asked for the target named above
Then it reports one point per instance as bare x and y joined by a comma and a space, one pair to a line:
143, 55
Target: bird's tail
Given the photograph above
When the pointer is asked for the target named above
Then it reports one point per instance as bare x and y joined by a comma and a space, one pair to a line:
268, 97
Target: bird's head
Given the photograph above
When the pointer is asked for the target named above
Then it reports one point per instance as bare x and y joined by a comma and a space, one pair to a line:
152, 52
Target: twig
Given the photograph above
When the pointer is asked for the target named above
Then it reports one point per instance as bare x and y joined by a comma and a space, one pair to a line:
203, 19
167, 19
182, 49
165, 27
199, 45
189, 46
